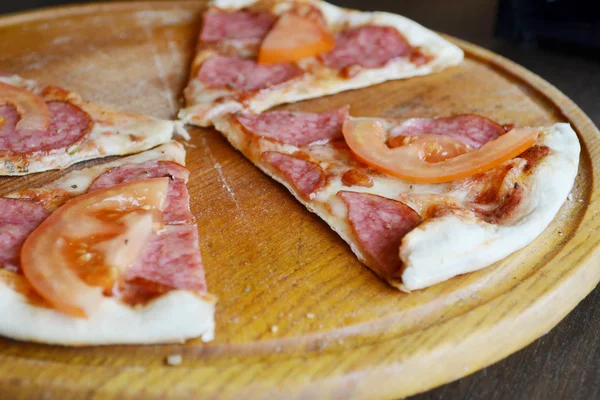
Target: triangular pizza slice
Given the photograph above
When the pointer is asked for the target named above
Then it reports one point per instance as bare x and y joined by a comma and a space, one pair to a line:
105, 255
45, 127
256, 54
418, 200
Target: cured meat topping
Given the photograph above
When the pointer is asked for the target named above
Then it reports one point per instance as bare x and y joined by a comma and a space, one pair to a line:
240, 25
298, 129
170, 260
244, 75
367, 46
473, 130
306, 177
68, 124
177, 210
380, 224
17, 220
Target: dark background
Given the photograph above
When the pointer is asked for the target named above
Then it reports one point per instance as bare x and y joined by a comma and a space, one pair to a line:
560, 41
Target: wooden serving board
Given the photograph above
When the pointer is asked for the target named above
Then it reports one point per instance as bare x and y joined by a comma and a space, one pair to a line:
298, 316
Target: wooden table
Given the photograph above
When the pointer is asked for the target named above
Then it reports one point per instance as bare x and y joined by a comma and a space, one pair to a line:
566, 362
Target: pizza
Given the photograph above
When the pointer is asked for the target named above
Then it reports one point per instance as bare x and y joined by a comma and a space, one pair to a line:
419, 200
110, 253
257, 54
45, 127
105, 255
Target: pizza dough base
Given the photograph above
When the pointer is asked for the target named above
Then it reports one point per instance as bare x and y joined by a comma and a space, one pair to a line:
441, 248
201, 110
444, 247
174, 317
113, 133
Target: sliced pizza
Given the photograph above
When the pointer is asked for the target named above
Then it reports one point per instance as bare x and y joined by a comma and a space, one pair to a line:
255, 54
105, 255
45, 127
418, 200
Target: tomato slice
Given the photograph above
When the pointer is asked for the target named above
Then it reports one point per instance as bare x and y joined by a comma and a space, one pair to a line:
414, 163
31, 107
81, 251
432, 148
293, 38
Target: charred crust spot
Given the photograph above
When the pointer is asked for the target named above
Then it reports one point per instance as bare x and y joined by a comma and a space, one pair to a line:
354, 177
506, 209
55, 93
140, 291
533, 155
419, 58
339, 144
508, 127
440, 210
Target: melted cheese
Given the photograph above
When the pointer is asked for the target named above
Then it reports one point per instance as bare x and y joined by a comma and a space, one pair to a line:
166, 319
441, 247
202, 108
113, 133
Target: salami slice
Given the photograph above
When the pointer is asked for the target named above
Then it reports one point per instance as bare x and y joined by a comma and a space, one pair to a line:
171, 258
240, 25
177, 210
473, 130
380, 224
367, 46
68, 124
298, 129
306, 177
243, 74
17, 220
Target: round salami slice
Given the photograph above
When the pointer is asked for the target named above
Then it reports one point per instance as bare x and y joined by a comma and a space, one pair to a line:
298, 129
68, 124
177, 210
367, 46
17, 220
305, 176
473, 130
240, 25
380, 224
171, 258
244, 75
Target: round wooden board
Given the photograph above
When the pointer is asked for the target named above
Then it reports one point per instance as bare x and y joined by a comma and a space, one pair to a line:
298, 316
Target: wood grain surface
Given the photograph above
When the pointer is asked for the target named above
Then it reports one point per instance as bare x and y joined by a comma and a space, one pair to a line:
298, 316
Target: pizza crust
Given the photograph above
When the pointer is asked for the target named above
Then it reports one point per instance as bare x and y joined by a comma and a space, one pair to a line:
444, 247
113, 133
173, 317
441, 247
200, 99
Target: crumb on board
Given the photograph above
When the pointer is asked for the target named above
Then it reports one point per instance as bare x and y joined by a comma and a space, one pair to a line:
274, 329
310, 315
247, 289
174, 360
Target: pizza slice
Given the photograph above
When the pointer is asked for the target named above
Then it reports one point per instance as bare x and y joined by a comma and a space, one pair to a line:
105, 255
418, 200
257, 54
45, 127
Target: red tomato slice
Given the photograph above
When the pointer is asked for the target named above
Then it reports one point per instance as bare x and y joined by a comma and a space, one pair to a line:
432, 148
413, 162
83, 248
293, 38
31, 107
